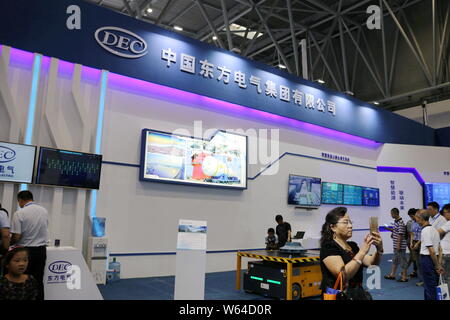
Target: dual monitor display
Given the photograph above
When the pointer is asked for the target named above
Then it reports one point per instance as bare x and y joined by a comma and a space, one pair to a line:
55, 167
312, 192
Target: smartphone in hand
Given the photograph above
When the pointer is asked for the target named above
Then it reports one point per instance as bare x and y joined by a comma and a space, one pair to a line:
373, 222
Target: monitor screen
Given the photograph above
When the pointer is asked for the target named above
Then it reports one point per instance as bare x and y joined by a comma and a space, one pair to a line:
68, 168
220, 161
352, 195
332, 193
304, 191
371, 197
438, 192
16, 162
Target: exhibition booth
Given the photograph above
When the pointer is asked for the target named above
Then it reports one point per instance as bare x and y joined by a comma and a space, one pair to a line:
115, 118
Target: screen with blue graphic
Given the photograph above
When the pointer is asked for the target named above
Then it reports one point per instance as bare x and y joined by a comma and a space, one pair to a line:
304, 191
438, 192
220, 161
332, 193
352, 195
16, 162
371, 197
68, 168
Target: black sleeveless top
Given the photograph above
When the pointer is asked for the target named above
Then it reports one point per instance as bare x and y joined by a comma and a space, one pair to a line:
332, 248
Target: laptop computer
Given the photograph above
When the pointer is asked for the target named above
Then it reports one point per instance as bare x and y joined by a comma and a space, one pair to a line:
299, 235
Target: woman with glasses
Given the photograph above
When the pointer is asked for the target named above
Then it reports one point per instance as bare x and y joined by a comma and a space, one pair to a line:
338, 254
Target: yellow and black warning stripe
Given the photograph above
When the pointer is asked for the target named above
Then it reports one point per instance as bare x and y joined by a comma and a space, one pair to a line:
278, 259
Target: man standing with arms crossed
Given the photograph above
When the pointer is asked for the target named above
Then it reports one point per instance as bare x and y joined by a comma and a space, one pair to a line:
30, 229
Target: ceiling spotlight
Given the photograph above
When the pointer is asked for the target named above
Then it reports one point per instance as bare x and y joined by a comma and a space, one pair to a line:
281, 66
178, 28
349, 93
376, 103
214, 38
149, 10
320, 81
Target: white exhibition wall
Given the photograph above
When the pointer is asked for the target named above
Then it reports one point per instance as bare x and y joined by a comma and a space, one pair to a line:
142, 217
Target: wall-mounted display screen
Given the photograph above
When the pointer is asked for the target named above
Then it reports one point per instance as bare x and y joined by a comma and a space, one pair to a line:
371, 197
352, 195
220, 161
68, 168
332, 193
304, 191
16, 162
438, 192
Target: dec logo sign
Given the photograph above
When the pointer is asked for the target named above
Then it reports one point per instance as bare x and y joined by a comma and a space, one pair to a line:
121, 42
59, 267
6, 154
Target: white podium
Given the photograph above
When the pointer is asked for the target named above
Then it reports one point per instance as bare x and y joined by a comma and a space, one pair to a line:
67, 276
190, 260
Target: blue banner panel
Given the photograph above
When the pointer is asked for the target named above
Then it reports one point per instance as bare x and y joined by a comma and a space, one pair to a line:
443, 137
80, 32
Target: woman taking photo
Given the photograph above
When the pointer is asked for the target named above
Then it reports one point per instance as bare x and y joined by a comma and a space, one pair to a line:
338, 254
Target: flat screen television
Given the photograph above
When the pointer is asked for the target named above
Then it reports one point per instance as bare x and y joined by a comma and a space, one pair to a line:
332, 193
68, 168
16, 162
352, 195
220, 161
438, 192
371, 197
304, 191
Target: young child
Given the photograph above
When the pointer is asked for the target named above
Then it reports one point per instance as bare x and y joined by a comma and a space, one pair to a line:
16, 285
271, 240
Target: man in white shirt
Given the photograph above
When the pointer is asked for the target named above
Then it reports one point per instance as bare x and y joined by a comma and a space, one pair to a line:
429, 249
444, 232
436, 219
29, 229
4, 230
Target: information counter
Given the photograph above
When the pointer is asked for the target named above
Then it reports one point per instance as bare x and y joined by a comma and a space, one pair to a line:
67, 276
280, 275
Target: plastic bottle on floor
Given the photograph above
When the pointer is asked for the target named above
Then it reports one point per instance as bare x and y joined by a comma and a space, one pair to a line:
114, 268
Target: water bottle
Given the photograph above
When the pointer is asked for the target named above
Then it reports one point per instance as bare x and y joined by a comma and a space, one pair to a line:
114, 266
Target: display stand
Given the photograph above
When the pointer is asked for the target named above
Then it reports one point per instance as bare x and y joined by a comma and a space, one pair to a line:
67, 276
190, 261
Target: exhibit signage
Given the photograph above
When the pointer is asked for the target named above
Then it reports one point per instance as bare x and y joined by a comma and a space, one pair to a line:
16, 162
191, 235
335, 157
67, 277
80, 32
111, 42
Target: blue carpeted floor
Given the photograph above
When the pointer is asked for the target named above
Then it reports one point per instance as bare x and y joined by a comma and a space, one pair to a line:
220, 286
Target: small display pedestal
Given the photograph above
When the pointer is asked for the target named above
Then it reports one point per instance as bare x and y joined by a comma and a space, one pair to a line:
190, 261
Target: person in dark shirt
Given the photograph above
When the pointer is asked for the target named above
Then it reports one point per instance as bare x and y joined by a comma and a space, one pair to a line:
16, 285
283, 231
338, 254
